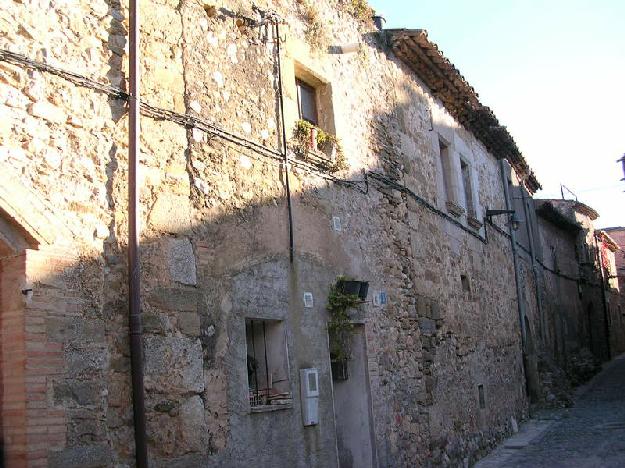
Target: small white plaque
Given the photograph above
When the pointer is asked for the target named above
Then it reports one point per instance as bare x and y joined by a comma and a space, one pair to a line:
336, 223
308, 300
380, 298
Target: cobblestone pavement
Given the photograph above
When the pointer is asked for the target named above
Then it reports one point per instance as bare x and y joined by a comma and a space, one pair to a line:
589, 435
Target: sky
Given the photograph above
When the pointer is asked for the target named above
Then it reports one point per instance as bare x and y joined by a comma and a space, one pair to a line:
553, 72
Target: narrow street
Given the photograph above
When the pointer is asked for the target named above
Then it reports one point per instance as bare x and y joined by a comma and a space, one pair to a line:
591, 434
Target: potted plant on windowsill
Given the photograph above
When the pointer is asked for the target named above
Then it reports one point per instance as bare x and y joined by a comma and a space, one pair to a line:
318, 147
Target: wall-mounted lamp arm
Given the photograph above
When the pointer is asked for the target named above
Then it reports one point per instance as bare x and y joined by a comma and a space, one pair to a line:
513, 221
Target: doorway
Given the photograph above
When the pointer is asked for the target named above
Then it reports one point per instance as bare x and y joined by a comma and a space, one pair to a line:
352, 408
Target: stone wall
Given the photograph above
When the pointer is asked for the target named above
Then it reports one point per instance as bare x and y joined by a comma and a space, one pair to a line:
564, 295
618, 337
215, 239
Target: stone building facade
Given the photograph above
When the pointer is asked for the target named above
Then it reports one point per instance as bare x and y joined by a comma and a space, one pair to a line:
617, 277
569, 294
390, 186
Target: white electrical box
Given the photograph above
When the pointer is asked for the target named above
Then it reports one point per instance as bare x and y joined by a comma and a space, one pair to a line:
309, 393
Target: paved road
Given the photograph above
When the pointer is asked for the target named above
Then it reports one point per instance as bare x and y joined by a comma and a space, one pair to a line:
589, 435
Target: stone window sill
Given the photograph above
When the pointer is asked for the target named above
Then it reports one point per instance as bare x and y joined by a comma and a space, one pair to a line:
454, 209
270, 408
474, 222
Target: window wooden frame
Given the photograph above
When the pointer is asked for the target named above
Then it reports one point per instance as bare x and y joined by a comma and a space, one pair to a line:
307, 107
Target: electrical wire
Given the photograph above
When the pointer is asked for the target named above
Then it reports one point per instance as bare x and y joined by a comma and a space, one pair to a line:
211, 128
148, 110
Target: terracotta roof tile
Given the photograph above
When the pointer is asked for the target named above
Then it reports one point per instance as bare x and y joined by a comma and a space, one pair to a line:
444, 80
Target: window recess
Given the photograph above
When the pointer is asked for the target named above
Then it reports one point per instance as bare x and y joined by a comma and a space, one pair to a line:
467, 186
313, 135
449, 183
307, 102
267, 365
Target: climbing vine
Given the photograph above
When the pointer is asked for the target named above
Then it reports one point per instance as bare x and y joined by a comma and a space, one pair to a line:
339, 326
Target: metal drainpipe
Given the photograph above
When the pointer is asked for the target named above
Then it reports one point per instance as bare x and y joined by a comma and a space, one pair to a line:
134, 300
284, 144
515, 259
530, 236
603, 299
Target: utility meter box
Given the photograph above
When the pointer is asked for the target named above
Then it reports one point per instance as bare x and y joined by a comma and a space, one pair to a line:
309, 393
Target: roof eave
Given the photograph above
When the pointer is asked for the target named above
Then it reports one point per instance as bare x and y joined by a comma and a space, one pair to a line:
444, 80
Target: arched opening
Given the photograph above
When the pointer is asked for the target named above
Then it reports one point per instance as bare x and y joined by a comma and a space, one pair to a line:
14, 242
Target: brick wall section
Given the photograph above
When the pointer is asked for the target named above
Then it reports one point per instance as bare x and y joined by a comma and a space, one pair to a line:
617, 301
13, 356
32, 425
44, 357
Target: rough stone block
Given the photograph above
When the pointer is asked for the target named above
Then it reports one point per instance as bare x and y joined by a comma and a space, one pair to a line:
193, 433
82, 393
435, 311
167, 406
173, 364
86, 425
47, 111
189, 323
170, 213
87, 362
422, 306
81, 456
154, 323
174, 299
427, 326
181, 260
63, 329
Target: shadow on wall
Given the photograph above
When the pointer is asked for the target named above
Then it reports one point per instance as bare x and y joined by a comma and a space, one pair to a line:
214, 251
76, 355
194, 253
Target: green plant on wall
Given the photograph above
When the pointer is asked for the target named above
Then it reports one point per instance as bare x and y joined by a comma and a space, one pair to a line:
315, 33
325, 141
340, 326
359, 9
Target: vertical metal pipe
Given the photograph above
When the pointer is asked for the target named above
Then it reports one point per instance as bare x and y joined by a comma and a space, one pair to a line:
284, 144
515, 259
255, 360
134, 300
266, 361
532, 245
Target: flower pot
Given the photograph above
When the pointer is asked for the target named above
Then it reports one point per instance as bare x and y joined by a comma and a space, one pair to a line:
355, 288
313, 139
339, 370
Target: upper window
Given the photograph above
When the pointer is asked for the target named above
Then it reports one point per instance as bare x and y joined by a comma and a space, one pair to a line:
446, 166
307, 102
468, 187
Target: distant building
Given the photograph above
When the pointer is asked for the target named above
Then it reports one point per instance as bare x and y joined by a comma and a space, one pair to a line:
617, 274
